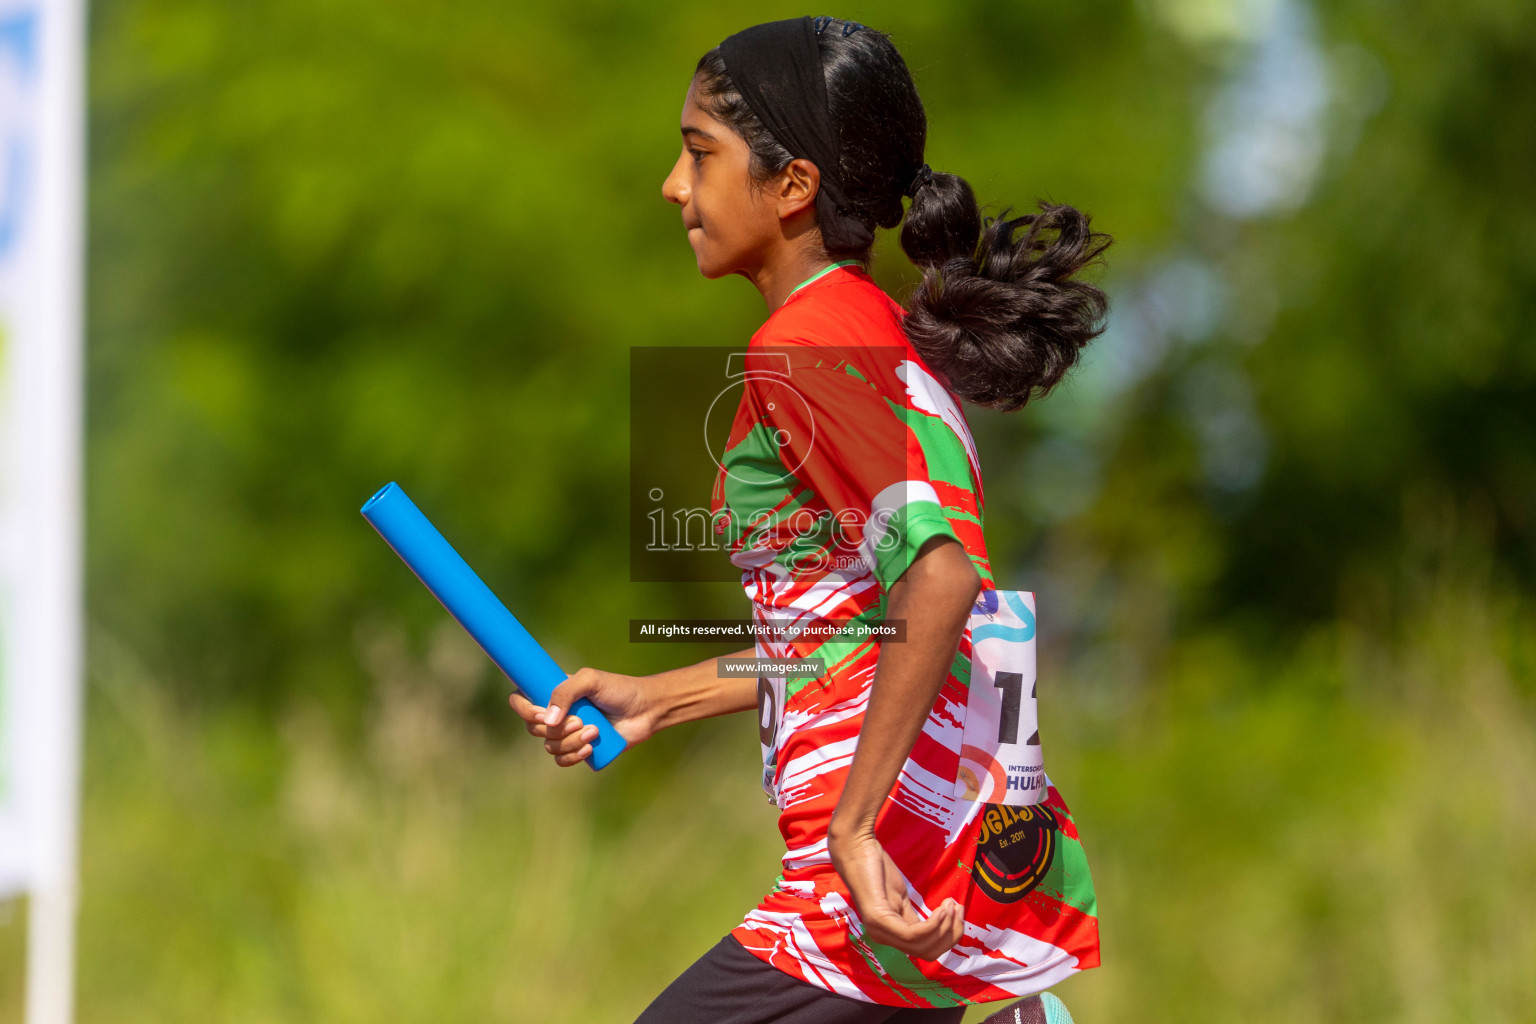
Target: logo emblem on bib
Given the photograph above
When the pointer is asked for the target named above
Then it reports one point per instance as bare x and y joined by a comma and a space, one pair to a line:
1014, 850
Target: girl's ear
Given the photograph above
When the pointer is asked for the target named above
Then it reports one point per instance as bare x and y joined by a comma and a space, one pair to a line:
797, 188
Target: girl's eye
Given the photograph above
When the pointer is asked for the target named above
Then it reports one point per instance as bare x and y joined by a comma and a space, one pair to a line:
698, 154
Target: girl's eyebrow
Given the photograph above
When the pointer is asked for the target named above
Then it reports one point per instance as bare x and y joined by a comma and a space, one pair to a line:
689, 129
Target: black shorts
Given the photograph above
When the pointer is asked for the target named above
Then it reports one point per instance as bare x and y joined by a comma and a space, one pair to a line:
728, 985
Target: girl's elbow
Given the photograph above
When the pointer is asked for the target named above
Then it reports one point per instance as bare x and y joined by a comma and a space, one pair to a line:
960, 575
944, 570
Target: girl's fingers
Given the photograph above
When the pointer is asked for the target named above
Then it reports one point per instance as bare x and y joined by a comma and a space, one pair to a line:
524, 708
949, 921
533, 717
554, 732
575, 737
927, 939
568, 760
570, 742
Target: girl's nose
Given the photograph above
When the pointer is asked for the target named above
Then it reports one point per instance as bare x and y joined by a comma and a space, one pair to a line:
674, 189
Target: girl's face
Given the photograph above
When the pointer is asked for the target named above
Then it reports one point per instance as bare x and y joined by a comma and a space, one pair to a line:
731, 225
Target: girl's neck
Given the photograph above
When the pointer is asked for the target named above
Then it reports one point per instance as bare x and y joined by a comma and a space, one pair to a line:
778, 278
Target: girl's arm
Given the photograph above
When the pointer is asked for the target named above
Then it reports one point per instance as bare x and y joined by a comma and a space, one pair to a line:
934, 597
638, 706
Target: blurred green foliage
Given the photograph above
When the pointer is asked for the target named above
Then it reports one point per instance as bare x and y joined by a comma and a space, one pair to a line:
1281, 525
1391, 361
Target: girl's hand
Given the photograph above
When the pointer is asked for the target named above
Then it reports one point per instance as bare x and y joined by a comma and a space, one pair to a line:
880, 895
627, 701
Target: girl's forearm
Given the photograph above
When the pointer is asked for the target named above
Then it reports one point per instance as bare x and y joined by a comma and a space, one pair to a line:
934, 598
697, 691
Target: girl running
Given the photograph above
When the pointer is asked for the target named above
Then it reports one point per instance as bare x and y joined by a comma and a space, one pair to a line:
850, 492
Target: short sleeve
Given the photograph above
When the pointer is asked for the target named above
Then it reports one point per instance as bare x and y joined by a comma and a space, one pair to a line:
847, 440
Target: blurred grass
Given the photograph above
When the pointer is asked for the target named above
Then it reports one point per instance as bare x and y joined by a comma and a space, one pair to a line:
427, 874
1352, 840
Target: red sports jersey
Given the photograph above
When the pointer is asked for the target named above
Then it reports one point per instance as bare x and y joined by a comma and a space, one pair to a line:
845, 455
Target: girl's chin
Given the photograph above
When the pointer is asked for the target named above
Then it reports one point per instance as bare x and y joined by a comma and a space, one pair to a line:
711, 261
709, 267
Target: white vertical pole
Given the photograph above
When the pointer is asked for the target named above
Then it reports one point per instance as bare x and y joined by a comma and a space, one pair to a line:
49, 474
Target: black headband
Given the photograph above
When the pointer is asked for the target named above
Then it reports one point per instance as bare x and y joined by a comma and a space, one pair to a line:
777, 69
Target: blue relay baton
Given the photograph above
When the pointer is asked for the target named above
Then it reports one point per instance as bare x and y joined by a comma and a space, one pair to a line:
470, 601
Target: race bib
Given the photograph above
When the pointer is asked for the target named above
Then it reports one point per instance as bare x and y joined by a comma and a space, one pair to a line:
1000, 758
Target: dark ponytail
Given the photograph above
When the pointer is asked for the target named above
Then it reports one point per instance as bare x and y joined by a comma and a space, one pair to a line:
999, 315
